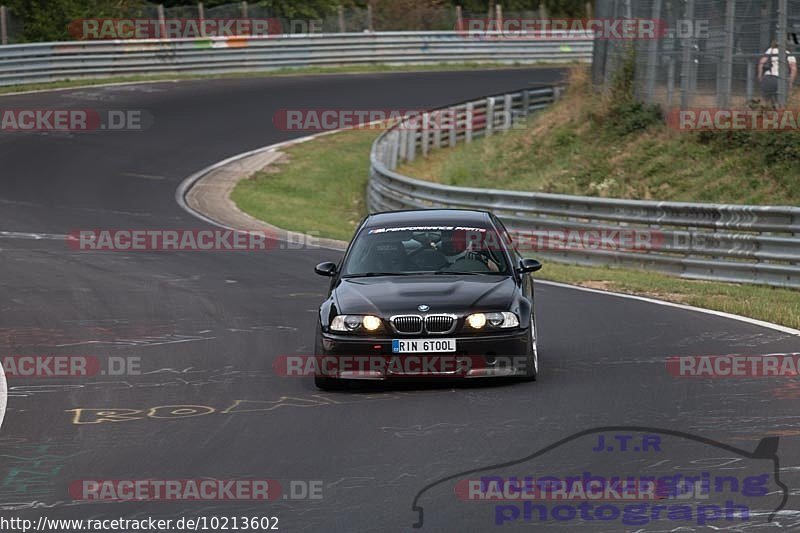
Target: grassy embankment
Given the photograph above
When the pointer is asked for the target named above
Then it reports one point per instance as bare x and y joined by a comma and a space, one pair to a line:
614, 147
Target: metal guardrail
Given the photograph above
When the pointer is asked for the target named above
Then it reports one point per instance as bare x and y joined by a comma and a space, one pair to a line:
45, 62
735, 243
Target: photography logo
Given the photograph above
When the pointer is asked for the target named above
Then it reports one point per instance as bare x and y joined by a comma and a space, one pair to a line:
613, 478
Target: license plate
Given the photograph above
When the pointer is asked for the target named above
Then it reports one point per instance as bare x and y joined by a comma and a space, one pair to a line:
423, 345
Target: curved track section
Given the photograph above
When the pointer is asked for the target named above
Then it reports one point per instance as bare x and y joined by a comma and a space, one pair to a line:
207, 328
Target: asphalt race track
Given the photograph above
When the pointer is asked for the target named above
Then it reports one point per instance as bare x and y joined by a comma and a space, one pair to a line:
208, 326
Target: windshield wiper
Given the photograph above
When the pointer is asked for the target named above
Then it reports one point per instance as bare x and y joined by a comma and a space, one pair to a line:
447, 273
378, 274
423, 273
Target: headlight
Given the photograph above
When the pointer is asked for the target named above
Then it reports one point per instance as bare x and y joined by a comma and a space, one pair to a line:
353, 323
504, 320
476, 321
371, 323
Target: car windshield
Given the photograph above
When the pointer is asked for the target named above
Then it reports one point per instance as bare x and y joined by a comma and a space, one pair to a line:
397, 251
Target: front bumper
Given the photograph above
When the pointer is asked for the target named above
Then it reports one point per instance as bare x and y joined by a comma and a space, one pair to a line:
489, 356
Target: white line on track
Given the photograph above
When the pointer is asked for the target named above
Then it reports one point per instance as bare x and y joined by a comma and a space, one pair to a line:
3, 394
753, 321
144, 176
33, 236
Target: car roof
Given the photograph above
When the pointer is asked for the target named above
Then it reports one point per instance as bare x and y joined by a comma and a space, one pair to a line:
432, 217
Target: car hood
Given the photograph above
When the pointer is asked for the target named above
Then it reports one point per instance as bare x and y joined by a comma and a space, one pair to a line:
443, 294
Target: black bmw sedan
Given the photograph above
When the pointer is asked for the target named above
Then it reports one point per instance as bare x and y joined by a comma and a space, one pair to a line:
433, 293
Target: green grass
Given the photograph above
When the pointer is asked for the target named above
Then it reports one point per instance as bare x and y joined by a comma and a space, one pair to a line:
585, 145
320, 190
344, 69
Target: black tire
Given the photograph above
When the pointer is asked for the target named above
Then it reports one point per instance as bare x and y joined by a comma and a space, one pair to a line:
324, 382
532, 361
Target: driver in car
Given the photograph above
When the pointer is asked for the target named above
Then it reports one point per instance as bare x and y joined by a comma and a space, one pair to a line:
467, 253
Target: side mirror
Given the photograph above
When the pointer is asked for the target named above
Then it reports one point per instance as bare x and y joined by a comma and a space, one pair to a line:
529, 265
326, 269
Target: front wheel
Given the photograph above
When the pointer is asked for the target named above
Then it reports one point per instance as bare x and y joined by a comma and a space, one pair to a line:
532, 361
324, 382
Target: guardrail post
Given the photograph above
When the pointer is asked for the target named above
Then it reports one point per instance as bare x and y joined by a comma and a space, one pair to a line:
526, 102
3, 25
201, 14
437, 129
403, 140
382, 151
459, 19
424, 133
341, 18
507, 111
411, 149
453, 127
394, 149
489, 116
468, 120
162, 22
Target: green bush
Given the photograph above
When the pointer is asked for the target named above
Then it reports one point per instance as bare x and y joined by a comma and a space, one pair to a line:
629, 117
624, 114
767, 147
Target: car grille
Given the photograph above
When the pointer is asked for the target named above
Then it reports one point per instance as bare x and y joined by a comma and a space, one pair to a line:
412, 324
407, 324
439, 323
